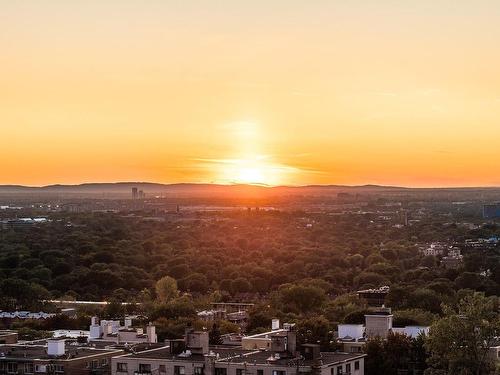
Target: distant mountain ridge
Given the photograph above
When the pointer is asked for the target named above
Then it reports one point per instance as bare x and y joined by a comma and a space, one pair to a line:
123, 189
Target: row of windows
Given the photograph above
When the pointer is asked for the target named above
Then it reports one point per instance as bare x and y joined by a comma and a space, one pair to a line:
146, 367
96, 363
28, 368
241, 371
340, 369
180, 370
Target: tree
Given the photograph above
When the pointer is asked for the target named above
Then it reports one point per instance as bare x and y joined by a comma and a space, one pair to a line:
166, 289
375, 360
215, 336
426, 299
398, 353
300, 298
459, 342
316, 330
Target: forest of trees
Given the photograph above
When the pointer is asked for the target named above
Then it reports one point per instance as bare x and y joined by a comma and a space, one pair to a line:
105, 256
302, 268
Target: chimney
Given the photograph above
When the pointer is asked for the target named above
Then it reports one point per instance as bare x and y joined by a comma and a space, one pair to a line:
197, 341
56, 347
151, 333
95, 328
275, 324
108, 329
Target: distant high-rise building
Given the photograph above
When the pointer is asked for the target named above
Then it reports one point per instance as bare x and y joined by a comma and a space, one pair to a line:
134, 193
491, 211
404, 217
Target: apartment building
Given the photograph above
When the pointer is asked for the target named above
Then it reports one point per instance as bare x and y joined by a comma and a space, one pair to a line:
194, 356
55, 356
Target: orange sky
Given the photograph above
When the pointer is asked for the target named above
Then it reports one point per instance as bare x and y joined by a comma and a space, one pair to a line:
279, 92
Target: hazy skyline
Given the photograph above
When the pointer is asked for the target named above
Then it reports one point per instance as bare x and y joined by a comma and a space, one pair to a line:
279, 92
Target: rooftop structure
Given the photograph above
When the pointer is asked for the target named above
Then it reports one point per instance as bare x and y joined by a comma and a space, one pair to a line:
353, 337
25, 315
264, 340
374, 297
113, 331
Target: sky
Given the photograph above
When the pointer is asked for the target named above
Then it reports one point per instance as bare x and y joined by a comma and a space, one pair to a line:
276, 92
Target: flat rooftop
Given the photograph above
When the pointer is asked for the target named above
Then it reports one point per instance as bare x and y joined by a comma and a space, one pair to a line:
223, 353
31, 352
4, 332
236, 356
263, 358
266, 335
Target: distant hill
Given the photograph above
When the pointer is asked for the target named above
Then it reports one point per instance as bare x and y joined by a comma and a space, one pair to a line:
123, 190
181, 189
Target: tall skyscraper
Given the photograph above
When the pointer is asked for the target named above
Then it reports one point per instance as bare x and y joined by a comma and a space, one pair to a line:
134, 193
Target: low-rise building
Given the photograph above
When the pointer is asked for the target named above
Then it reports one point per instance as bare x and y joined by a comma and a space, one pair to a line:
379, 323
55, 356
374, 297
434, 249
112, 331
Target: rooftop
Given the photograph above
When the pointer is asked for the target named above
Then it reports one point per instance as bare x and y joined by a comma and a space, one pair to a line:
255, 357
30, 352
266, 357
221, 353
265, 335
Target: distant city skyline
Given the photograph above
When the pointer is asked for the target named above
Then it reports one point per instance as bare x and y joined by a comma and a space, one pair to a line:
270, 92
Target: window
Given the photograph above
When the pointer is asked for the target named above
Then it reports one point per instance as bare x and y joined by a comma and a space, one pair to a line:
339, 370
332, 371
179, 370
144, 367
356, 365
95, 364
240, 371
162, 369
104, 362
260, 372
348, 368
198, 371
59, 369
29, 368
279, 372
11, 368
220, 371
121, 367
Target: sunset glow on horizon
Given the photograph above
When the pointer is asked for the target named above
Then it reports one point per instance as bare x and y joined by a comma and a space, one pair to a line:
261, 92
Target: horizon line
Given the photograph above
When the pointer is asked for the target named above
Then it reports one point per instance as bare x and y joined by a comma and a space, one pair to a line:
252, 185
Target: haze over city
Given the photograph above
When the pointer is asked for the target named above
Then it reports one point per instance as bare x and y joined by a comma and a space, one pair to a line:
268, 92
